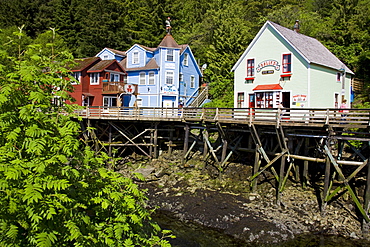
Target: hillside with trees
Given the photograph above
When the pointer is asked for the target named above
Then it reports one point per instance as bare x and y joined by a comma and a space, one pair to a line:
218, 31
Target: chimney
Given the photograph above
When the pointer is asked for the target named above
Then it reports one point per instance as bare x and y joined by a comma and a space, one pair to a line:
296, 26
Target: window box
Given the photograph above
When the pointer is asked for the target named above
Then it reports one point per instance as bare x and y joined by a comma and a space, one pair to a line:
286, 75
249, 79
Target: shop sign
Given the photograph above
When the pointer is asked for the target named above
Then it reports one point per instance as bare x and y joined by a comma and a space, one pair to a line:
169, 90
268, 63
129, 88
299, 100
267, 72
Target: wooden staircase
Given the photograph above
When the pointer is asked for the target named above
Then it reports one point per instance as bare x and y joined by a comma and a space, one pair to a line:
199, 100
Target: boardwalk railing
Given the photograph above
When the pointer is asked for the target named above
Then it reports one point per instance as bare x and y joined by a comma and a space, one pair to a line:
355, 118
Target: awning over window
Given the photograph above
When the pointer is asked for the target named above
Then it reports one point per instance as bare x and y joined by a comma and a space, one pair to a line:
268, 87
88, 94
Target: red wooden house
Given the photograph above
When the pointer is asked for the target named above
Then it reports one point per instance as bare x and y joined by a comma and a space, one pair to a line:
101, 82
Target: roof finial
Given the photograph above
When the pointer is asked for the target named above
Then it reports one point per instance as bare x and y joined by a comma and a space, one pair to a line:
168, 25
296, 26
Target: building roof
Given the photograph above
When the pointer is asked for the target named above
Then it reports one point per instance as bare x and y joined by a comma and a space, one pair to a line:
82, 63
102, 65
314, 51
152, 64
309, 48
117, 52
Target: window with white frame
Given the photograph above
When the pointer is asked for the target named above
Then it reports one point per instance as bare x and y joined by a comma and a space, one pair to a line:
169, 55
94, 78
169, 77
135, 57
114, 77
151, 78
77, 76
125, 78
142, 78
192, 81
181, 77
186, 59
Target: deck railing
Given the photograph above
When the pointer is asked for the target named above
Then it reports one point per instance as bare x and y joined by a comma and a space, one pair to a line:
356, 118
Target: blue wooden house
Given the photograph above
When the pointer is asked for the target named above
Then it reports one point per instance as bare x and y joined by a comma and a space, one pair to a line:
166, 76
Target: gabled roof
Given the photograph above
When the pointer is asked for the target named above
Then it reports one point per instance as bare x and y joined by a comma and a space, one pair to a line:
113, 51
309, 48
152, 64
102, 65
83, 63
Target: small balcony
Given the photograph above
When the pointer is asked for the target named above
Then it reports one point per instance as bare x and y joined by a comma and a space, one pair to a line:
112, 87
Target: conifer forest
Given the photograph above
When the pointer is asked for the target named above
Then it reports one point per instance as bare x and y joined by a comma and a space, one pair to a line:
217, 31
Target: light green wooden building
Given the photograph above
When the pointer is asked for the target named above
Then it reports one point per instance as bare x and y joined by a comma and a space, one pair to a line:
283, 65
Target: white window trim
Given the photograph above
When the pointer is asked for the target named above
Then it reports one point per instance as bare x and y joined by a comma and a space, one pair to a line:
142, 78
151, 80
186, 59
77, 76
94, 76
192, 81
135, 57
181, 77
170, 75
171, 55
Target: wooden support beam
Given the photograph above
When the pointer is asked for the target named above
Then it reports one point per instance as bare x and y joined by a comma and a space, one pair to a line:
268, 165
129, 139
256, 167
205, 146
348, 187
280, 181
366, 225
155, 141
186, 143
326, 191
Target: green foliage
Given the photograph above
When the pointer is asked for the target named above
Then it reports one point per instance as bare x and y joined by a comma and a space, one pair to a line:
53, 190
217, 31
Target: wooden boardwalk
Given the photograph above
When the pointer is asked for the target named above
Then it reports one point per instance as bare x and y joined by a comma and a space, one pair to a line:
309, 143
314, 117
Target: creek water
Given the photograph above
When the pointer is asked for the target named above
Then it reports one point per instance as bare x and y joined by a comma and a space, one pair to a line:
190, 234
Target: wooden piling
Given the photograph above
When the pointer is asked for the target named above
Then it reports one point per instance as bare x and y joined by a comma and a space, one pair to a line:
256, 167
281, 179
326, 187
366, 225
186, 143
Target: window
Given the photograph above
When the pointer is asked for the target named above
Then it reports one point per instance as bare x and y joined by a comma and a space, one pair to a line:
192, 81
169, 77
77, 76
151, 78
125, 78
250, 67
287, 63
94, 78
181, 77
339, 77
186, 59
240, 100
169, 55
114, 77
142, 78
109, 101
105, 57
135, 58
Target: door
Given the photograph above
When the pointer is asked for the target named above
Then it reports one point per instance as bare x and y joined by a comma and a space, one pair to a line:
252, 101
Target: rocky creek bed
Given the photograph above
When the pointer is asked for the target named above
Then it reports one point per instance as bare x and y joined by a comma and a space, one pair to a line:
194, 193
